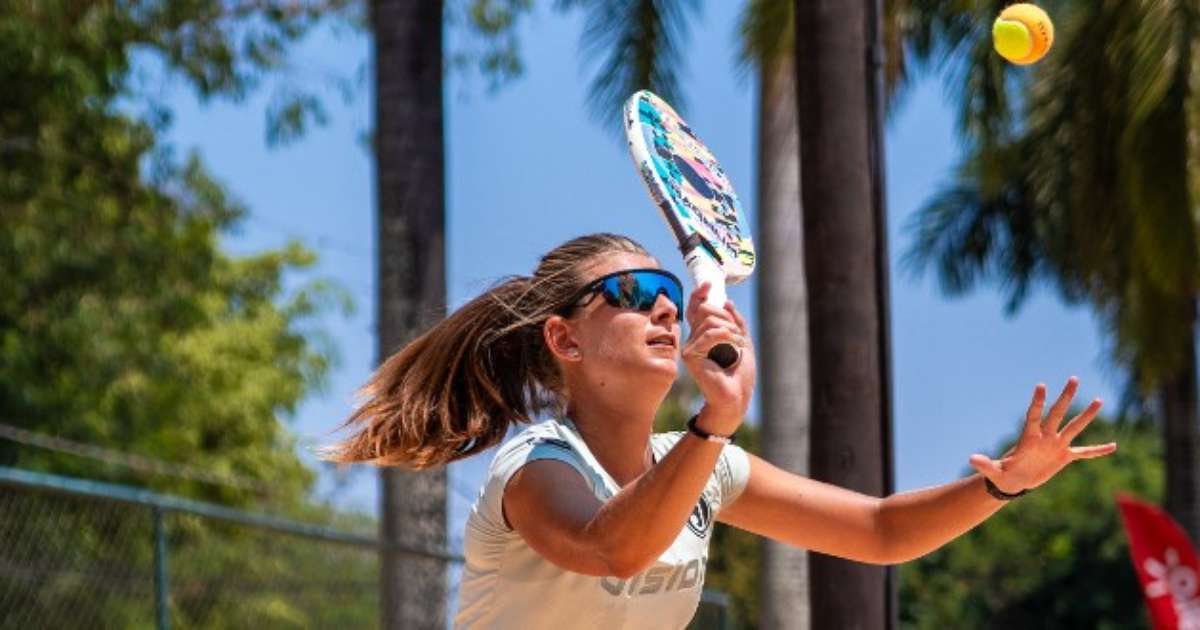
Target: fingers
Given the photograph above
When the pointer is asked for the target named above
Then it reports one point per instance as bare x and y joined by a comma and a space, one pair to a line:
1033, 417
706, 312
703, 317
1062, 404
697, 298
1081, 421
737, 317
712, 321
985, 465
700, 344
1091, 452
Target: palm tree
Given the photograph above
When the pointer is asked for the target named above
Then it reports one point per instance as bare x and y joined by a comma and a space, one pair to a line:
844, 256
1088, 181
412, 288
767, 38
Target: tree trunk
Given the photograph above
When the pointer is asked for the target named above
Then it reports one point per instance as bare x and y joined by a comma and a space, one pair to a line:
842, 247
1181, 434
877, 63
783, 333
412, 286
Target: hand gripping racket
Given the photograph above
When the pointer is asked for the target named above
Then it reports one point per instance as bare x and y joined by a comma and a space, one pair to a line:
695, 198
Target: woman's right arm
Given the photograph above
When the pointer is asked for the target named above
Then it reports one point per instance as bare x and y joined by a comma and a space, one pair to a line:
553, 509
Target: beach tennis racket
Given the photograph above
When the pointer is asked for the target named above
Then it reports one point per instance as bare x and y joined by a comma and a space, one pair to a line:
694, 197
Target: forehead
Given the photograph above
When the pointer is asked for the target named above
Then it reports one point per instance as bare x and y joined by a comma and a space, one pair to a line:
616, 261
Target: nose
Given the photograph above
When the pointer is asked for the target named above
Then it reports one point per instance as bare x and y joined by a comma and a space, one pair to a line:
664, 311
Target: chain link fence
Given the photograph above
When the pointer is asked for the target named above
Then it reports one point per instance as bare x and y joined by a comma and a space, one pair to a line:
79, 554
82, 554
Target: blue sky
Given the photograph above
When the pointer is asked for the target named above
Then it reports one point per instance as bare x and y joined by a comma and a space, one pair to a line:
527, 168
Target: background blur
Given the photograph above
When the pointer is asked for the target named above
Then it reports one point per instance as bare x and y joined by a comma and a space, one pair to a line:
189, 248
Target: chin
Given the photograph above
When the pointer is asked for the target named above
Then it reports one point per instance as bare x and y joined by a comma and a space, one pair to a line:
668, 368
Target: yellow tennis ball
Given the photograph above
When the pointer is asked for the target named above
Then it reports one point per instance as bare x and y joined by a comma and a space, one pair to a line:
1023, 33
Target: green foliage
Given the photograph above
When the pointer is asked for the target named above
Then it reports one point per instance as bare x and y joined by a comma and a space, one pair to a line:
122, 323
84, 562
229, 576
492, 23
766, 32
1081, 171
1055, 558
64, 53
640, 44
734, 556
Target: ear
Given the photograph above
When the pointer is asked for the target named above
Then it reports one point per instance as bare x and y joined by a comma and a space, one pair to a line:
560, 339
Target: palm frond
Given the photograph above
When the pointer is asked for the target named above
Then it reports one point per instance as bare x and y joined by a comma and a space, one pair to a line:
896, 24
1082, 170
938, 30
954, 38
1164, 241
1154, 50
638, 45
1148, 325
982, 228
766, 32
494, 46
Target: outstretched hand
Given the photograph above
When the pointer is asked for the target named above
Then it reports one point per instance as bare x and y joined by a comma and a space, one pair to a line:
1043, 448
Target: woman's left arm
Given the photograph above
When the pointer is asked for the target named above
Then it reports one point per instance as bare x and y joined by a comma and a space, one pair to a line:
835, 521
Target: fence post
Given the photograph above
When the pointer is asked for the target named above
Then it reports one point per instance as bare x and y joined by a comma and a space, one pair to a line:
160, 570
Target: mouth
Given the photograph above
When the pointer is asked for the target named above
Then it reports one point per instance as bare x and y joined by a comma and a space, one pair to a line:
662, 341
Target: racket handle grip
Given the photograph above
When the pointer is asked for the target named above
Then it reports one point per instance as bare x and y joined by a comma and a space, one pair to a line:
704, 269
724, 355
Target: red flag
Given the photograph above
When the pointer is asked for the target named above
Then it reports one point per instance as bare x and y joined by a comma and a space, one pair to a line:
1166, 565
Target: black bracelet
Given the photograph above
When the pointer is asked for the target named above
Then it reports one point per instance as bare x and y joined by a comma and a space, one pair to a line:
701, 433
1000, 494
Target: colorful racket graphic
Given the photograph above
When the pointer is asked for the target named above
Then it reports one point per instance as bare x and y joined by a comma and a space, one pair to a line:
694, 196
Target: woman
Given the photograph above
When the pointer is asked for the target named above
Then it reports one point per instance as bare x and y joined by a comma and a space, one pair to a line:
590, 519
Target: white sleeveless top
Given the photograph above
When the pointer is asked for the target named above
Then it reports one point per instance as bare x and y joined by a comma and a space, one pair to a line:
506, 584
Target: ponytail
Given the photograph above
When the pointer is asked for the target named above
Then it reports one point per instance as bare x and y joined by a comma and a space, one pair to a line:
455, 390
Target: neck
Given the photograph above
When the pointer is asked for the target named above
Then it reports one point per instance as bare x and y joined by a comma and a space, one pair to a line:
618, 435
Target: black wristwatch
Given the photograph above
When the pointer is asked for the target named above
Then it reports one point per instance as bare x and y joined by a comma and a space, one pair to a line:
712, 437
1000, 494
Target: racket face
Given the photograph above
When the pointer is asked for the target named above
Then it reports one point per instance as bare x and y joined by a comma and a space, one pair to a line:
687, 183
